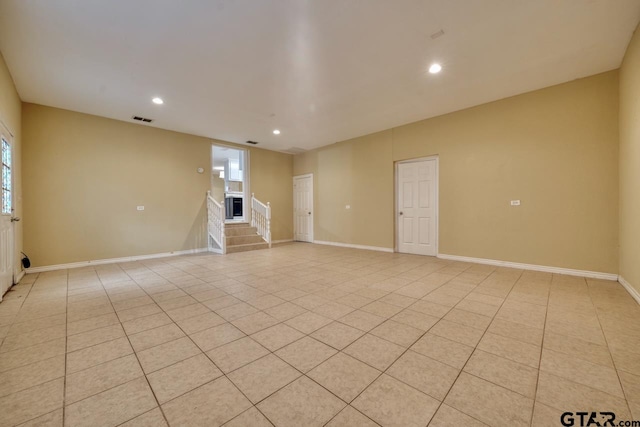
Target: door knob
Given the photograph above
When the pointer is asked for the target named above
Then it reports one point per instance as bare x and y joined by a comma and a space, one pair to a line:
309, 213
400, 213
15, 219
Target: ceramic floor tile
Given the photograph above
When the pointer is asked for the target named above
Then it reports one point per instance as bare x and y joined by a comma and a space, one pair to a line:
236, 311
301, 403
427, 375
468, 318
285, 311
236, 354
489, 403
443, 350
518, 351
544, 415
578, 348
391, 403
113, 406
85, 383
200, 322
349, 417
277, 336
374, 351
153, 418
142, 324
446, 416
251, 417
166, 354
153, 337
344, 376
31, 403
213, 404
305, 354
362, 320
216, 336
27, 376
28, 339
503, 372
101, 353
337, 335
254, 322
561, 394
182, 377
308, 322
263, 377
603, 378
516, 331
187, 311
457, 332
93, 337
52, 419
397, 333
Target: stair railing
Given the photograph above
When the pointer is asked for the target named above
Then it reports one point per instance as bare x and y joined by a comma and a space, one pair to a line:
215, 223
261, 218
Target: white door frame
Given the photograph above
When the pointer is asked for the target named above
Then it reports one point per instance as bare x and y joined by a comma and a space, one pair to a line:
6, 134
397, 202
308, 175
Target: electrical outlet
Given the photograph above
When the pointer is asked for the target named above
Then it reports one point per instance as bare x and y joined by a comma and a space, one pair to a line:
347, 207
515, 203
140, 208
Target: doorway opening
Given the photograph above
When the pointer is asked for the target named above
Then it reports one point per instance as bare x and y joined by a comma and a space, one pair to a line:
417, 206
230, 181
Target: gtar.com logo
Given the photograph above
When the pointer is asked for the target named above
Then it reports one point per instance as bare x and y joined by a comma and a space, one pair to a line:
588, 419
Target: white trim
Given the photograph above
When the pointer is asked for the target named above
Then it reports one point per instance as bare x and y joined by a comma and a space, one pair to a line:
313, 213
348, 245
20, 276
282, 241
114, 260
544, 268
632, 291
435, 157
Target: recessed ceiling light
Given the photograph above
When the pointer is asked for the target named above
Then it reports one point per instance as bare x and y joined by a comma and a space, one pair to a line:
276, 132
435, 68
157, 100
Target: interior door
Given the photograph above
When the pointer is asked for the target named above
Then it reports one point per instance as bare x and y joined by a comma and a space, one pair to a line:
6, 222
303, 208
417, 207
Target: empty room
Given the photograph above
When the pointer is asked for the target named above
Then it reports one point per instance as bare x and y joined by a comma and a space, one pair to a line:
320, 213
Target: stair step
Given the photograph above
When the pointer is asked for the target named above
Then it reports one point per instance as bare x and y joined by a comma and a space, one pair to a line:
236, 224
243, 240
240, 231
248, 247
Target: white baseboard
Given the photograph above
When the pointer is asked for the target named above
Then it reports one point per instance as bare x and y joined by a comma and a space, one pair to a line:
632, 291
20, 276
347, 245
544, 268
273, 242
113, 260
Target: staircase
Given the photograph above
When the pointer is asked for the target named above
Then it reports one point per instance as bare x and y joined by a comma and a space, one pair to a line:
241, 237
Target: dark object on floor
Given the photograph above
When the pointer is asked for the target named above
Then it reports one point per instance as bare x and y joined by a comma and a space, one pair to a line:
25, 261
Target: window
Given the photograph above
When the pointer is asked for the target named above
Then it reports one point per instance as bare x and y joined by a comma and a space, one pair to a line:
6, 178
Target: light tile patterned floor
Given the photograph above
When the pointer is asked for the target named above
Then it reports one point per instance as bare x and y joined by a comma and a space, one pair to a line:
308, 335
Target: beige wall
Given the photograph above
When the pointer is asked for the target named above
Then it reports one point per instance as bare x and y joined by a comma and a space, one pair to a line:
630, 164
84, 176
555, 149
11, 116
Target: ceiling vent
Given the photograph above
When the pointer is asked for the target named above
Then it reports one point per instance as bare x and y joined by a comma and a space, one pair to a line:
142, 119
252, 142
295, 150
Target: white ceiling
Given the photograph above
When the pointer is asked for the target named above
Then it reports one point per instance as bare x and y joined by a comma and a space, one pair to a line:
321, 71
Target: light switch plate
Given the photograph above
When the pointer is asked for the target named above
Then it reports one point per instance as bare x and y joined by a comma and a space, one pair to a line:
515, 203
140, 208
347, 207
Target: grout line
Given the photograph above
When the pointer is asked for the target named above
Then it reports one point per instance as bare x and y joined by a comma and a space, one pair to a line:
624, 392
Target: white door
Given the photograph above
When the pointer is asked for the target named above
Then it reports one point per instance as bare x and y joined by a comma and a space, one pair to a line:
6, 210
417, 207
303, 208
